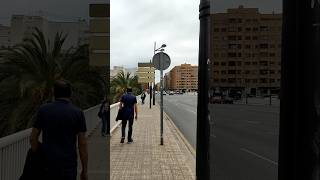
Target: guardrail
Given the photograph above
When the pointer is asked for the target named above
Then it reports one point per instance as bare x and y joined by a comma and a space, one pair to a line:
13, 148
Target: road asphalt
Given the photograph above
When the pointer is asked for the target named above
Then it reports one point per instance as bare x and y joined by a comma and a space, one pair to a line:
244, 138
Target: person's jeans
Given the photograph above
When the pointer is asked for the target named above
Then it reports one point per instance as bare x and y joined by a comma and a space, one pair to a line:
123, 129
103, 127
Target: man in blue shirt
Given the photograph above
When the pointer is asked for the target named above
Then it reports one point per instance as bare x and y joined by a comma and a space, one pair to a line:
128, 104
61, 124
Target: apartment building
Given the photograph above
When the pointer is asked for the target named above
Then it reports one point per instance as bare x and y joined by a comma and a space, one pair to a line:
245, 51
183, 78
146, 74
99, 39
22, 26
4, 36
118, 69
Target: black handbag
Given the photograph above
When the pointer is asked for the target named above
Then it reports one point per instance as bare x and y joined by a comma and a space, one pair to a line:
120, 115
35, 166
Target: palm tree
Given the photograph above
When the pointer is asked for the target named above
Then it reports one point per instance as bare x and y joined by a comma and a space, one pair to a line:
120, 83
28, 72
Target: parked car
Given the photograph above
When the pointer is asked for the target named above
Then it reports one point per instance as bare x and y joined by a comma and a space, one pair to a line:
171, 93
227, 100
164, 93
216, 98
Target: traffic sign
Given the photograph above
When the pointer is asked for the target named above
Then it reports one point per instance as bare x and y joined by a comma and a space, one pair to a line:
161, 61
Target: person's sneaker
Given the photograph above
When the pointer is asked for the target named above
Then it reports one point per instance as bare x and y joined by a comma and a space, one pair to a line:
130, 141
122, 140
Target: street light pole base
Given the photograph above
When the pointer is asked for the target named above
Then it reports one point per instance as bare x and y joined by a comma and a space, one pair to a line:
161, 141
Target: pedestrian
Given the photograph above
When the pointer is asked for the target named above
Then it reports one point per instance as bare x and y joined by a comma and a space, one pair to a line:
143, 97
62, 124
128, 104
103, 115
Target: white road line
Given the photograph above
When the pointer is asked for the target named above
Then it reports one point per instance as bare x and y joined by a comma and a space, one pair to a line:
259, 156
253, 122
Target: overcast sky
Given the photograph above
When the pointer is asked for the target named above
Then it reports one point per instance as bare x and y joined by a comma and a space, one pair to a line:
136, 25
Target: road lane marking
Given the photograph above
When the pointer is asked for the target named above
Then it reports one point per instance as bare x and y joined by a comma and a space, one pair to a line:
259, 156
253, 122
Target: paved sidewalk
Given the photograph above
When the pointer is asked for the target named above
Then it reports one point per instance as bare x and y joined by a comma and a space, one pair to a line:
146, 158
99, 156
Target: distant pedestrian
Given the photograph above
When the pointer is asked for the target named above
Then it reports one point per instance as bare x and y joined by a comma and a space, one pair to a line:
143, 97
103, 115
128, 104
62, 124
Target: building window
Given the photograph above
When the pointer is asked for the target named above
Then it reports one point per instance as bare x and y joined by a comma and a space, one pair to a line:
247, 63
216, 30
216, 63
239, 37
232, 54
272, 54
232, 29
264, 46
223, 63
248, 46
231, 80
263, 80
255, 37
263, 72
232, 20
223, 72
223, 29
264, 63
232, 63
264, 54
248, 29
239, 29
264, 28
232, 38
248, 38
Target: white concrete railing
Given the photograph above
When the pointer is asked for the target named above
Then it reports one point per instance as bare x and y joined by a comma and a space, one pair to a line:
13, 148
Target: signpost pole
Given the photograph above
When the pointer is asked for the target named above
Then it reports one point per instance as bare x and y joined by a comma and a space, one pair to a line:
161, 108
161, 61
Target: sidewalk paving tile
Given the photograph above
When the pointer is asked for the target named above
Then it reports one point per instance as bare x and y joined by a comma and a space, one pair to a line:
145, 158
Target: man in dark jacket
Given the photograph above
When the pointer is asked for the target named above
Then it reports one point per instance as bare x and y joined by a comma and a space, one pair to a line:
128, 104
61, 124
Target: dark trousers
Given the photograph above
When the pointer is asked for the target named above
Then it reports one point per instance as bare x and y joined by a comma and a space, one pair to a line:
123, 129
62, 176
104, 123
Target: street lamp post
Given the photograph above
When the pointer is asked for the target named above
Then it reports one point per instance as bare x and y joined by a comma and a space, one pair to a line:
154, 83
203, 125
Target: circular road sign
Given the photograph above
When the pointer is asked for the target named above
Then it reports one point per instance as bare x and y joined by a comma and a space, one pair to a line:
161, 61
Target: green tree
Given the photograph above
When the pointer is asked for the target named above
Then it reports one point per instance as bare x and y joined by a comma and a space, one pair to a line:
28, 72
120, 83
